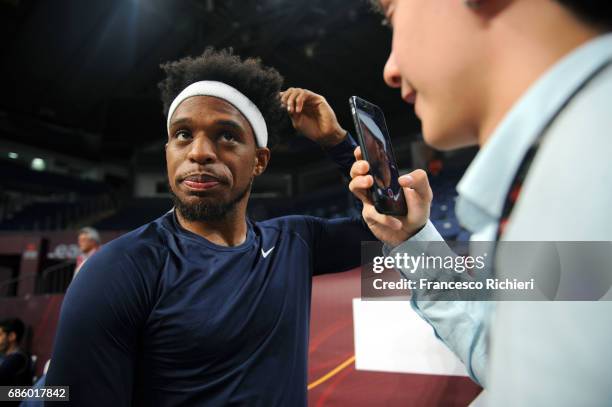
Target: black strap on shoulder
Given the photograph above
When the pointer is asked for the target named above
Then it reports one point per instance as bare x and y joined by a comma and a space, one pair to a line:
521, 174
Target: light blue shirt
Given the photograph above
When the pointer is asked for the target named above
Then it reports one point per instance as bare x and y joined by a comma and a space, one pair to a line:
465, 326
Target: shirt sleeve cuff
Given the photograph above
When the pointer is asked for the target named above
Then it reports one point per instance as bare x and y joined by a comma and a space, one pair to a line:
427, 234
347, 145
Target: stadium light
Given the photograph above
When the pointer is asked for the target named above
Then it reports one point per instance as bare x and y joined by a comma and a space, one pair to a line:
38, 164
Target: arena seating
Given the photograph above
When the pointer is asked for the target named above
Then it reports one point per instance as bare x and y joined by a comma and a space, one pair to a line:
44, 182
56, 215
135, 213
42, 200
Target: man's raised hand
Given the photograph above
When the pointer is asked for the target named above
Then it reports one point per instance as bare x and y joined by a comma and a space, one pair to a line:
312, 116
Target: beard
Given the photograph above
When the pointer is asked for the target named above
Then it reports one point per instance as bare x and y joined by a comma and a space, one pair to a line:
208, 211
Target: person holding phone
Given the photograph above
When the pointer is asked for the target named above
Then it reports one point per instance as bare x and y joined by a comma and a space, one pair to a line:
530, 82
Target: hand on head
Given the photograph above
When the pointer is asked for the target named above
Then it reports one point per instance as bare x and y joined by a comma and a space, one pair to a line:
312, 116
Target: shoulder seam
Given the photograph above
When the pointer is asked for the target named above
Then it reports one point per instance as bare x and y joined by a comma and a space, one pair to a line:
279, 229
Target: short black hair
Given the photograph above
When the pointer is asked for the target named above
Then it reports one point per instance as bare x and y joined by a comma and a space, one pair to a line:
13, 325
261, 84
594, 12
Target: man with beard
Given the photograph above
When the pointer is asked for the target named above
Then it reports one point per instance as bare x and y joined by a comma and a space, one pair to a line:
203, 306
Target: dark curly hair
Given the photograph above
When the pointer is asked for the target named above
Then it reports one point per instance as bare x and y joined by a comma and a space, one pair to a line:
261, 84
594, 12
13, 325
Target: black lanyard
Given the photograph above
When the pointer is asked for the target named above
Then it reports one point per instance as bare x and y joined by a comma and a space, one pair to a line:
521, 174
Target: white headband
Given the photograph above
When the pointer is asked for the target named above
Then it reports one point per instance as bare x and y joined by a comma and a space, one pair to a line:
233, 96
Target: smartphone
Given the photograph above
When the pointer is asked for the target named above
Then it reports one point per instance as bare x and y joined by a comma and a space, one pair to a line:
373, 135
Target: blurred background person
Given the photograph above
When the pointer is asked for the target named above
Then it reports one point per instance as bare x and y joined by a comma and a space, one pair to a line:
15, 367
89, 243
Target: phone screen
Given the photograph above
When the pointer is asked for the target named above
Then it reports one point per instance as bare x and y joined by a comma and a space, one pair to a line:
375, 143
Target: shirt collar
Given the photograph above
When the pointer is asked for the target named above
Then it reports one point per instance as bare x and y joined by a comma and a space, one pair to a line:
483, 188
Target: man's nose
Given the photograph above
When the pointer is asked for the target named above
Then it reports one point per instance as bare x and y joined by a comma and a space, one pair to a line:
391, 73
202, 150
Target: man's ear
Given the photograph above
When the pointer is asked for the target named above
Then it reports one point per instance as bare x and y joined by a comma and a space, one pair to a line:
262, 158
12, 336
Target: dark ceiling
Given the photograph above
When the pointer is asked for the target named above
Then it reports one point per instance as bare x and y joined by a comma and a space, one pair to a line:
79, 77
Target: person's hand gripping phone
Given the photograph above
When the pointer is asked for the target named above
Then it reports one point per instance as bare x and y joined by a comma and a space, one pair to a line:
392, 230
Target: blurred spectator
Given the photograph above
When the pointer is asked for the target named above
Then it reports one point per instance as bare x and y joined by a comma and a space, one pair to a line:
89, 243
15, 368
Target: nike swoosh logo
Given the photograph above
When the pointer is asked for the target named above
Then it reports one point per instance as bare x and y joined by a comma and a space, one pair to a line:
265, 253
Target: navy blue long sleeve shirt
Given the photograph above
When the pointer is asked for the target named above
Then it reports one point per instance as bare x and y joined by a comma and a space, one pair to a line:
164, 317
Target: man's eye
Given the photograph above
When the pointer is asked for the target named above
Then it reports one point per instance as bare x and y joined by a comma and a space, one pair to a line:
182, 135
228, 136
